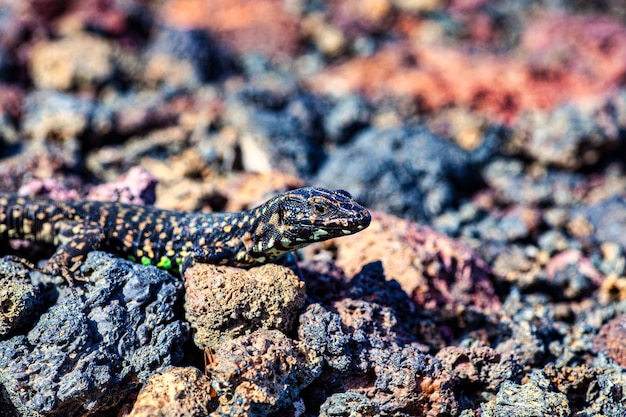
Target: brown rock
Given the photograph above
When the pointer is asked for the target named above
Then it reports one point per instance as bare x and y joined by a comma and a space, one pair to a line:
613, 289
251, 188
439, 273
174, 392
79, 59
327, 38
513, 265
222, 302
411, 381
574, 381
610, 340
467, 129
261, 372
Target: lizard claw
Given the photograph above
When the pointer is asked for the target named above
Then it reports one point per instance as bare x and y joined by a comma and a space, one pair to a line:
56, 270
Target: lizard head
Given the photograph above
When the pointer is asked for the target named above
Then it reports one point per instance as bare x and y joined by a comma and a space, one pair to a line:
300, 217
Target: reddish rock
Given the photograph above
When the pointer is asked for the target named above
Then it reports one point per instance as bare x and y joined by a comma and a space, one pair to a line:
574, 273
261, 372
137, 186
610, 340
48, 188
245, 25
588, 61
585, 54
439, 273
352, 16
11, 100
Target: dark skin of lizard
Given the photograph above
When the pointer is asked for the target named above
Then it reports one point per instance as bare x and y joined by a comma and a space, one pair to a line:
174, 240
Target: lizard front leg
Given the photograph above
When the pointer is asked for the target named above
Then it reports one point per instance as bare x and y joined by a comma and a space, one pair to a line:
217, 255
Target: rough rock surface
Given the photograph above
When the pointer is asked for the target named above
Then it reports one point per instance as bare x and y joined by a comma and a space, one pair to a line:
261, 372
277, 129
96, 342
361, 340
501, 125
438, 273
349, 404
222, 303
534, 398
19, 298
174, 392
408, 166
481, 365
610, 340
60, 115
74, 60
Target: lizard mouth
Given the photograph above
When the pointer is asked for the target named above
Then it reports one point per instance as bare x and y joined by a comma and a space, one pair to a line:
352, 223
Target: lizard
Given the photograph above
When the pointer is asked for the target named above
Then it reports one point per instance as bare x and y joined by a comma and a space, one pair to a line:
174, 240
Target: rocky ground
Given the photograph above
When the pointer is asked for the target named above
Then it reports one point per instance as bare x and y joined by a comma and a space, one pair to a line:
487, 138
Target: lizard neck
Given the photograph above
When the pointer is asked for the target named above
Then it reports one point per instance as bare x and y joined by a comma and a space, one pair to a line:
264, 238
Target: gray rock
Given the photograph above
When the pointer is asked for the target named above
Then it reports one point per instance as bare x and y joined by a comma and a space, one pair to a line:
279, 130
608, 218
86, 352
533, 399
569, 136
349, 404
51, 114
348, 116
184, 58
405, 171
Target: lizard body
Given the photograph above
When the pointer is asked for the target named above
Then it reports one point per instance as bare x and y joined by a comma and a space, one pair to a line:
172, 240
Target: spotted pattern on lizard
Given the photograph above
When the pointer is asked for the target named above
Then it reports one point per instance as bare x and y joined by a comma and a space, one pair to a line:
173, 240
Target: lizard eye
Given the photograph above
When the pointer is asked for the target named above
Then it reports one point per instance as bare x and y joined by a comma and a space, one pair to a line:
320, 209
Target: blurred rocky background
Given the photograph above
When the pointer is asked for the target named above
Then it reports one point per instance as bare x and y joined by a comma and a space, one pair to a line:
488, 138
